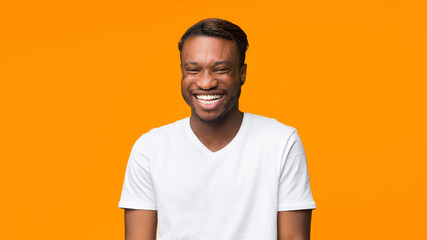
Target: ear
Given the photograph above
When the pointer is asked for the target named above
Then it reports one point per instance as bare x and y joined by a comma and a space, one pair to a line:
243, 74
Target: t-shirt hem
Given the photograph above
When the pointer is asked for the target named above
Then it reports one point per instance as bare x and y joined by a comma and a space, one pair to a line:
132, 205
296, 207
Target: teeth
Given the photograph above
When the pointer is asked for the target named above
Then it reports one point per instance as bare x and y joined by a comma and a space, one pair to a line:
208, 97
208, 102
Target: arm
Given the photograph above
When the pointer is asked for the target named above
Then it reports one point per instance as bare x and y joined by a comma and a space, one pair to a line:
293, 225
140, 224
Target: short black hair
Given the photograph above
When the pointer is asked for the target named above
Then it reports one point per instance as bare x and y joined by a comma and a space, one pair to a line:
215, 27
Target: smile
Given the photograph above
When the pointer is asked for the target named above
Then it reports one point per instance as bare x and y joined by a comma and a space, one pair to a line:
209, 99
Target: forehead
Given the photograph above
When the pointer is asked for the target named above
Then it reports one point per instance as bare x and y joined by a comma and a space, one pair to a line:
204, 49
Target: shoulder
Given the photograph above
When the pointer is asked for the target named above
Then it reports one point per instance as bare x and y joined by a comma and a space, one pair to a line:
270, 135
270, 127
164, 133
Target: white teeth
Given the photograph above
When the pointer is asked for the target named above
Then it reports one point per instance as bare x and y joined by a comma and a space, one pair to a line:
208, 102
209, 97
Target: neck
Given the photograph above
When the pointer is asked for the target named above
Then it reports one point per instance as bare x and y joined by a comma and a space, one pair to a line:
217, 136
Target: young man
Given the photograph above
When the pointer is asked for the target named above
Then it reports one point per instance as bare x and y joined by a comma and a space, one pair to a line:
220, 174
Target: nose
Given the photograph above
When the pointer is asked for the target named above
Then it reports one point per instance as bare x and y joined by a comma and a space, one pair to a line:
206, 81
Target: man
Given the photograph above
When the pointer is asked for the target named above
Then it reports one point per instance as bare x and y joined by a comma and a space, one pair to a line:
220, 174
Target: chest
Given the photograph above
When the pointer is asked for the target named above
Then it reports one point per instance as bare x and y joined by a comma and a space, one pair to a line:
191, 178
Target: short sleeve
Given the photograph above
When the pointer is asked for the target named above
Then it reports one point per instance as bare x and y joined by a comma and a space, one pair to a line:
294, 182
138, 190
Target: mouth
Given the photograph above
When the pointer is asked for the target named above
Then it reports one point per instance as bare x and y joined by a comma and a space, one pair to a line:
209, 99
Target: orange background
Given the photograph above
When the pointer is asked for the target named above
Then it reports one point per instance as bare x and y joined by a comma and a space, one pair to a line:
82, 80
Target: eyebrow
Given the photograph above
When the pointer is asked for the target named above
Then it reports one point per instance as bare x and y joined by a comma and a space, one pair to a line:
222, 62
190, 63
215, 64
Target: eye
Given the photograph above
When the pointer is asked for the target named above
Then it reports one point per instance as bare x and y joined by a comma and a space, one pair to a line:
192, 70
222, 70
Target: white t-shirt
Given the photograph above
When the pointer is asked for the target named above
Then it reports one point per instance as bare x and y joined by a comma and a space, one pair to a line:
230, 194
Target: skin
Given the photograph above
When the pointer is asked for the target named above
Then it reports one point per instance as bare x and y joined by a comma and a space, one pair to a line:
210, 65
293, 225
140, 224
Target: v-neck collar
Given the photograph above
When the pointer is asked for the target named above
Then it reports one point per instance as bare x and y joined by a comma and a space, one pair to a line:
223, 150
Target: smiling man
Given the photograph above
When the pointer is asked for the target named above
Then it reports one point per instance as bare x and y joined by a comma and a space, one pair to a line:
219, 174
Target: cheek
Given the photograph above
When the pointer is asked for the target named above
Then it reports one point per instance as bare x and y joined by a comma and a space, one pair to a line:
226, 79
185, 83
188, 79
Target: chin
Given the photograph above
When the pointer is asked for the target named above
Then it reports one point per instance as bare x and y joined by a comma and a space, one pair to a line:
209, 120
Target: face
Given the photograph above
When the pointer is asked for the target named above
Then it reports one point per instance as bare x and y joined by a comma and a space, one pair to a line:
211, 77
